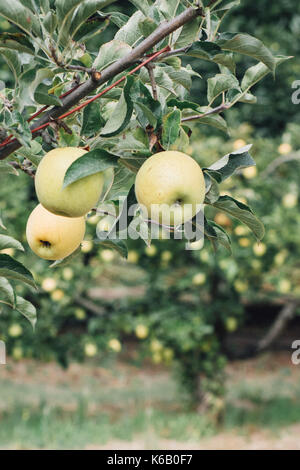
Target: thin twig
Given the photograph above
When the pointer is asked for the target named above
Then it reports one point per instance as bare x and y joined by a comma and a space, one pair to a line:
279, 161
174, 52
150, 68
284, 316
91, 306
217, 110
60, 63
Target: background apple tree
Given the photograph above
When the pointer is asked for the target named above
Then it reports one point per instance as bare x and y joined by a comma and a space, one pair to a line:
85, 73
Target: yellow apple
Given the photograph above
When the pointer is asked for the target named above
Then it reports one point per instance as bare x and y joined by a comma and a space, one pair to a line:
115, 345
49, 284
90, 349
15, 330
141, 331
76, 199
199, 279
170, 186
238, 144
52, 236
222, 219
231, 324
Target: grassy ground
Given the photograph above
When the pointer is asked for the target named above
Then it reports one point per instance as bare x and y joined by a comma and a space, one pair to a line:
121, 406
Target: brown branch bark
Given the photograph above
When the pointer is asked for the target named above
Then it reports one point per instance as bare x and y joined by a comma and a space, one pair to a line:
86, 88
284, 316
150, 69
217, 110
90, 305
279, 161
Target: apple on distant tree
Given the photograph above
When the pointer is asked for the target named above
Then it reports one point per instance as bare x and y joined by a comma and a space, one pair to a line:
170, 186
76, 199
52, 236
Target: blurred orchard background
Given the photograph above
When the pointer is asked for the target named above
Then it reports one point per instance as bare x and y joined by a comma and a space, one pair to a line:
172, 348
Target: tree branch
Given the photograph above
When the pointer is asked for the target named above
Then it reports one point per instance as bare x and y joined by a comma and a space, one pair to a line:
150, 69
90, 305
216, 110
284, 316
279, 161
86, 88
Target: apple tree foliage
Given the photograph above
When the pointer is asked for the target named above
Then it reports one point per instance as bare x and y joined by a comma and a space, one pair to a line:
50, 52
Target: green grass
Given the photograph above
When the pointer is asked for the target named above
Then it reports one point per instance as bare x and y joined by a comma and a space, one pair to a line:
55, 429
37, 411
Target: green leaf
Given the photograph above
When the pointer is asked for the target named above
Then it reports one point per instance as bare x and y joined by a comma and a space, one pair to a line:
174, 102
9, 242
203, 50
16, 41
221, 236
171, 128
212, 188
130, 32
225, 60
122, 113
161, 77
119, 19
148, 110
6, 291
242, 212
123, 181
90, 163
182, 77
110, 52
1, 223
212, 52
30, 85
227, 165
50, 22
219, 84
226, 5
255, 73
123, 220
169, 8
133, 143
18, 14
12, 59
12, 269
142, 5
145, 115
26, 309
188, 33
213, 120
116, 244
84, 11
7, 169
64, 12
247, 45
147, 26
42, 96
60, 263
92, 121
233, 96
91, 29
182, 143
31, 153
